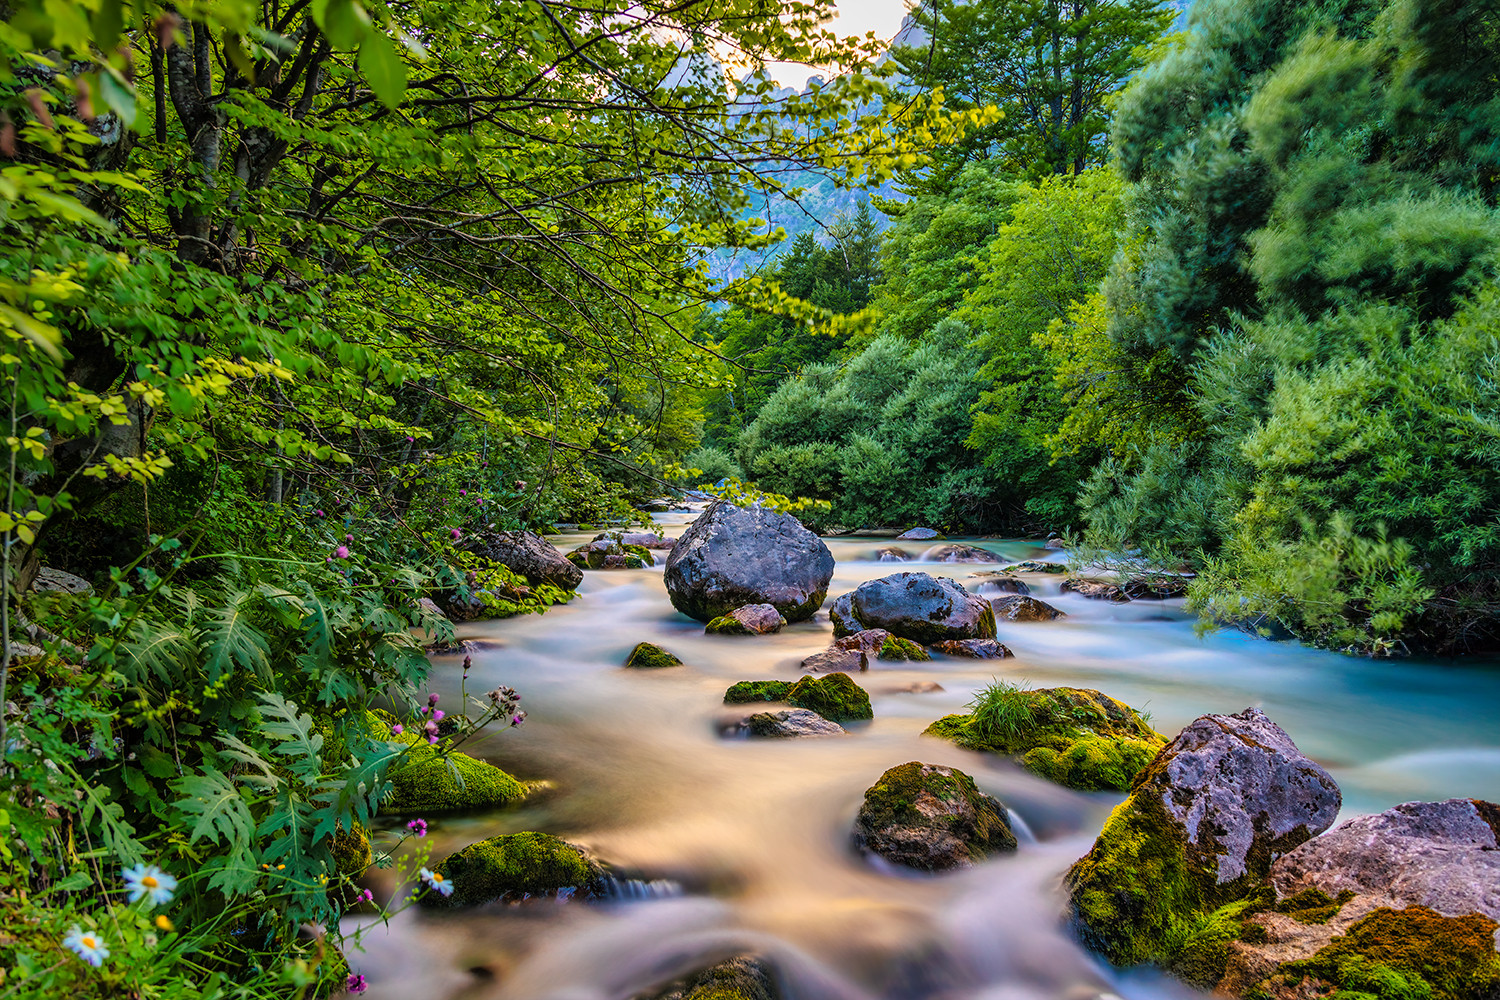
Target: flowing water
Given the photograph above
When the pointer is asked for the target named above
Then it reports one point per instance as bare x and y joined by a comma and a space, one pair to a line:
743, 845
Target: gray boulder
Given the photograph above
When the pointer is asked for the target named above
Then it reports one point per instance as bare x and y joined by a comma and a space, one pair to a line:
998, 583
922, 608
841, 613
792, 722
972, 649
532, 556
919, 535
1021, 608
959, 554
648, 539
849, 661
732, 556
931, 817
892, 553
60, 581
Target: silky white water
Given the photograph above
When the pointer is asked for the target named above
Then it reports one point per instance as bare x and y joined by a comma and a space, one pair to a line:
743, 845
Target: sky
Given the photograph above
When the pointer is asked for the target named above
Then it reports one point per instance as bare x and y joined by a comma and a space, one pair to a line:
855, 17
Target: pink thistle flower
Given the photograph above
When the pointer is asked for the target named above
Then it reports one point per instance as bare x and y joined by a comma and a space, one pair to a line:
342, 552
418, 827
437, 713
397, 729
432, 699
356, 983
348, 538
318, 512
456, 534
463, 493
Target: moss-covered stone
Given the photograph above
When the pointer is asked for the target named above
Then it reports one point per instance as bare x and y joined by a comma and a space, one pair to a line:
427, 782
834, 696
1410, 954
351, 852
1313, 906
649, 656
896, 648
931, 817
1074, 736
745, 692
512, 866
743, 978
726, 625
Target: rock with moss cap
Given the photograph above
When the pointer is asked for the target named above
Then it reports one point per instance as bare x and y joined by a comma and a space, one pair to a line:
792, 722
351, 851
744, 978
752, 619
424, 781
1074, 736
931, 817
921, 608
1035, 566
649, 656
606, 552
1098, 590
748, 692
1022, 608
516, 866
733, 556
834, 696
1182, 858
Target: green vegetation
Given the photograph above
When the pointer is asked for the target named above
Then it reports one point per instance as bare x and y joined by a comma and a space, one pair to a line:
745, 692
834, 696
896, 648
427, 782
1075, 737
514, 864
649, 656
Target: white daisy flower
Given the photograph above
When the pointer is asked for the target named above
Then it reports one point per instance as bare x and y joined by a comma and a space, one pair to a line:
439, 882
86, 945
149, 880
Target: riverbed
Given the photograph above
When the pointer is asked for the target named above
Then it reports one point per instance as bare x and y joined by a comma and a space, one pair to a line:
734, 845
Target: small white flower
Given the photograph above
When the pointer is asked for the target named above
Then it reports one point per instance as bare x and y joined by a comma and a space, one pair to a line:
86, 945
439, 882
143, 880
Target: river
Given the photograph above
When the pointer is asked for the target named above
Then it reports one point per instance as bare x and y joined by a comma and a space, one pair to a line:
743, 845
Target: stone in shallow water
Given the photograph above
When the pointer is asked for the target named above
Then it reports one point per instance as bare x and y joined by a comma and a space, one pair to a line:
849, 661
752, 619
731, 556
892, 553
919, 535
959, 554
921, 608
516, 866
791, 723
648, 655
931, 817
744, 978
972, 649
835, 697
1021, 608
1096, 590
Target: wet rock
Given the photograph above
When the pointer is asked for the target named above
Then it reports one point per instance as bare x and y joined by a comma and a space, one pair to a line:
732, 556
792, 723
1055, 543
649, 656
1021, 608
1198, 832
1034, 566
931, 817
868, 641
918, 687
1155, 587
646, 539
513, 867
1096, 590
959, 554
464, 647
747, 692
1074, 736
835, 697
606, 552
892, 553
530, 555
835, 659
972, 649
744, 978
841, 613
60, 582
423, 782
428, 606
998, 583
922, 608
752, 619
918, 535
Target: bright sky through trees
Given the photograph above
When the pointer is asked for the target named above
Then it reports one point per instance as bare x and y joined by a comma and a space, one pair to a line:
855, 17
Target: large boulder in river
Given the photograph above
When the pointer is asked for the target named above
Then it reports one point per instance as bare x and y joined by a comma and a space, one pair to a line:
958, 554
1424, 876
1199, 831
532, 556
931, 817
732, 556
921, 608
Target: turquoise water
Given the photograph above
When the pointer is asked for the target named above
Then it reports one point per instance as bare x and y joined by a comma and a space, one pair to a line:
742, 845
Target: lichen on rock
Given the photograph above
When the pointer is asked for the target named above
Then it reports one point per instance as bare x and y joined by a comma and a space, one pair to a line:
516, 865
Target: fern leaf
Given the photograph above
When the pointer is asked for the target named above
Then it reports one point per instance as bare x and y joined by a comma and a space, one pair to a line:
300, 743
231, 639
221, 812
164, 651
236, 749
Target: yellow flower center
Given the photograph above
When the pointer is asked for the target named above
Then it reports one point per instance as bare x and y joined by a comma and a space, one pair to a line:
437, 876
163, 922
89, 942
150, 882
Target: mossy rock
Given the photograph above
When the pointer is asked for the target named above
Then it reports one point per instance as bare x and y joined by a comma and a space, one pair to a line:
896, 648
726, 625
743, 978
1410, 954
1074, 736
746, 692
834, 696
425, 783
515, 865
351, 852
649, 656
931, 817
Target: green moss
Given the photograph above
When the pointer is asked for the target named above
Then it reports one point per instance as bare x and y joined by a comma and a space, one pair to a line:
514, 864
650, 656
1197, 951
896, 648
351, 852
579, 558
737, 979
726, 625
895, 801
1313, 906
1074, 736
639, 552
425, 782
750, 691
834, 696
1410, 954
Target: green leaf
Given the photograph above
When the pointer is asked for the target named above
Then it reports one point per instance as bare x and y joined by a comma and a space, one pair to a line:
231, 639
345, 23
296, 735
381, 63
108, 22
221, 812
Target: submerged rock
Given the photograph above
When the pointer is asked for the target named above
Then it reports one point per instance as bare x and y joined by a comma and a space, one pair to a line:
1021, 608
1096, 590
835, 697
649, 656
731, 556
918, 535
744, 978
920, 607
1073, 736
423, 782
892, 553
931, 817
747, 692
972, 649
1198, 832
792, 723
959, 554
752, 619
835, 659
530, 555
516, 866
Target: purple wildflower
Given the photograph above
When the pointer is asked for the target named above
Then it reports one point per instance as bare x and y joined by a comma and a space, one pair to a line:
356, 983
396, 729
418, 827
432, 699
437, 713
456, 534
342, 552
365, 896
